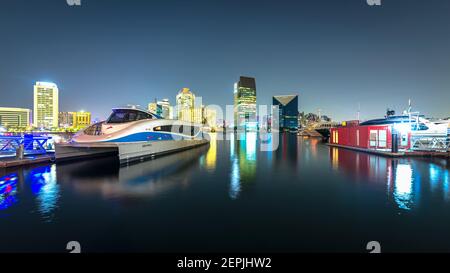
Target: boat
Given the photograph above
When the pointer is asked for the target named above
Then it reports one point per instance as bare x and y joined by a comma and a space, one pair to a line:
132, 134
418, 125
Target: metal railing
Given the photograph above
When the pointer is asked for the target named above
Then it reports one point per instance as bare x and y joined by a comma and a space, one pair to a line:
430, 143
31, 144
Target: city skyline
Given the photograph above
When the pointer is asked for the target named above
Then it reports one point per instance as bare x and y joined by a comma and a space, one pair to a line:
336, 58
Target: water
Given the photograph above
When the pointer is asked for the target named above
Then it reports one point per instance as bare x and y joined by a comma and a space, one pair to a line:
230, 197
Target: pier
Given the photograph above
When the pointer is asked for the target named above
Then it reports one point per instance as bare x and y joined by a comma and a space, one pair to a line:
389, 153
27, 160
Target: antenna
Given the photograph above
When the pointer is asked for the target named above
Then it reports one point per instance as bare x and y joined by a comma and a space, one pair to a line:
359, 111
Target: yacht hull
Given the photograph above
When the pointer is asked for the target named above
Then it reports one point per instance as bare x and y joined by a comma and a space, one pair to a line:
126, 151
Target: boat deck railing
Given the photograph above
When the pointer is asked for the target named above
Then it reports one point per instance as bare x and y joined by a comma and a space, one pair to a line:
430, 143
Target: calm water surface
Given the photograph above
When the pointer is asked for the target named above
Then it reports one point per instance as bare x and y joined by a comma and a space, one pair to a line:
230, 196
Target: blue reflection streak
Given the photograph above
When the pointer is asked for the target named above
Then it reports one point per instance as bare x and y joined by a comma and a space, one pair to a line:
235, 183
235, 186
45, 187
8, 191
435, 174
445, 185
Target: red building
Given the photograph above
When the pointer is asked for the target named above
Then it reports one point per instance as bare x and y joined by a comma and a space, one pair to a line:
374, 137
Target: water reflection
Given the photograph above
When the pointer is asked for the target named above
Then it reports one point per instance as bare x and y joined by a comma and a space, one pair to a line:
287, 152
403, 186
243, 161
211, 155
142, 180
8, 191
403, 178
44, 186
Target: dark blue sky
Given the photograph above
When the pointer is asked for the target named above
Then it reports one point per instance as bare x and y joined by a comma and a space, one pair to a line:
334, 54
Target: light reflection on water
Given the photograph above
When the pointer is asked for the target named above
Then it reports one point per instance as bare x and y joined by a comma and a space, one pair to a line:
408, 183
403, 186
8, 191
44, 185
403, 177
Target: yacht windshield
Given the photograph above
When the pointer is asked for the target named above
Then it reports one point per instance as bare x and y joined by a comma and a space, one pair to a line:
125, 115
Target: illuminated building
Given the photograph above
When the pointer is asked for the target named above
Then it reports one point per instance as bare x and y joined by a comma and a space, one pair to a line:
77, 120
165, 108
45, 105
14, 117
153, 107
66, 119
185, 106
161, 108
210, 117
82, 119
288, 108
245, 102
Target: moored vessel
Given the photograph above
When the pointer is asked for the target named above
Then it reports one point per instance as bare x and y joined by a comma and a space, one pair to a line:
132, 134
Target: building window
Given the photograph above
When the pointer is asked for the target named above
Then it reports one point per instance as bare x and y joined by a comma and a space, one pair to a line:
373, 138
382, 138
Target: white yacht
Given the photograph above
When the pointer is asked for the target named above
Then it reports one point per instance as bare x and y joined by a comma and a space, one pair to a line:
132, 134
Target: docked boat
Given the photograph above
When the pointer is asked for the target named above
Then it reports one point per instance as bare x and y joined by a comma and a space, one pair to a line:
394, 133
418, 125
132, 134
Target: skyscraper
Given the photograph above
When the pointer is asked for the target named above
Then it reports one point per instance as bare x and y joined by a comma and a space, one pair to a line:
161, 108
288, 107
165, 108
245, 103
14, 117
66, 119
45, 105
185, 105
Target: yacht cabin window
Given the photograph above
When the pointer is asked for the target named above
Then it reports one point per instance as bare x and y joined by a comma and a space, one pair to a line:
127, 115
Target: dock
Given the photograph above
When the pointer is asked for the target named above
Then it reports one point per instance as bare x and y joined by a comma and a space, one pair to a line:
391, 154
27, 160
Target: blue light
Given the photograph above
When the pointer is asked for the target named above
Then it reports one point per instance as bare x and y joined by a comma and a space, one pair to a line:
8, 190
45, 187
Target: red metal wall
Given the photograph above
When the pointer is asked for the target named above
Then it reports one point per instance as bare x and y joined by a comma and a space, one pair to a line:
347, 136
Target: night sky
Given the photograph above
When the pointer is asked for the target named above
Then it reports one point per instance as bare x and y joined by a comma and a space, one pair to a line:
334, 54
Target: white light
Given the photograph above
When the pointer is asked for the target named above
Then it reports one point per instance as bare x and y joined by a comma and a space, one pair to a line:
403, 186
402, 128
46, 84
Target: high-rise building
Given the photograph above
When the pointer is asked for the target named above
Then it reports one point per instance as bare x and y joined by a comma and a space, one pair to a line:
153, 107
185, 106
209, 117
288, 110
14, 117
82, 119
165, 108
77, 120
45, 105
66, 119
245, 103
161, 108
